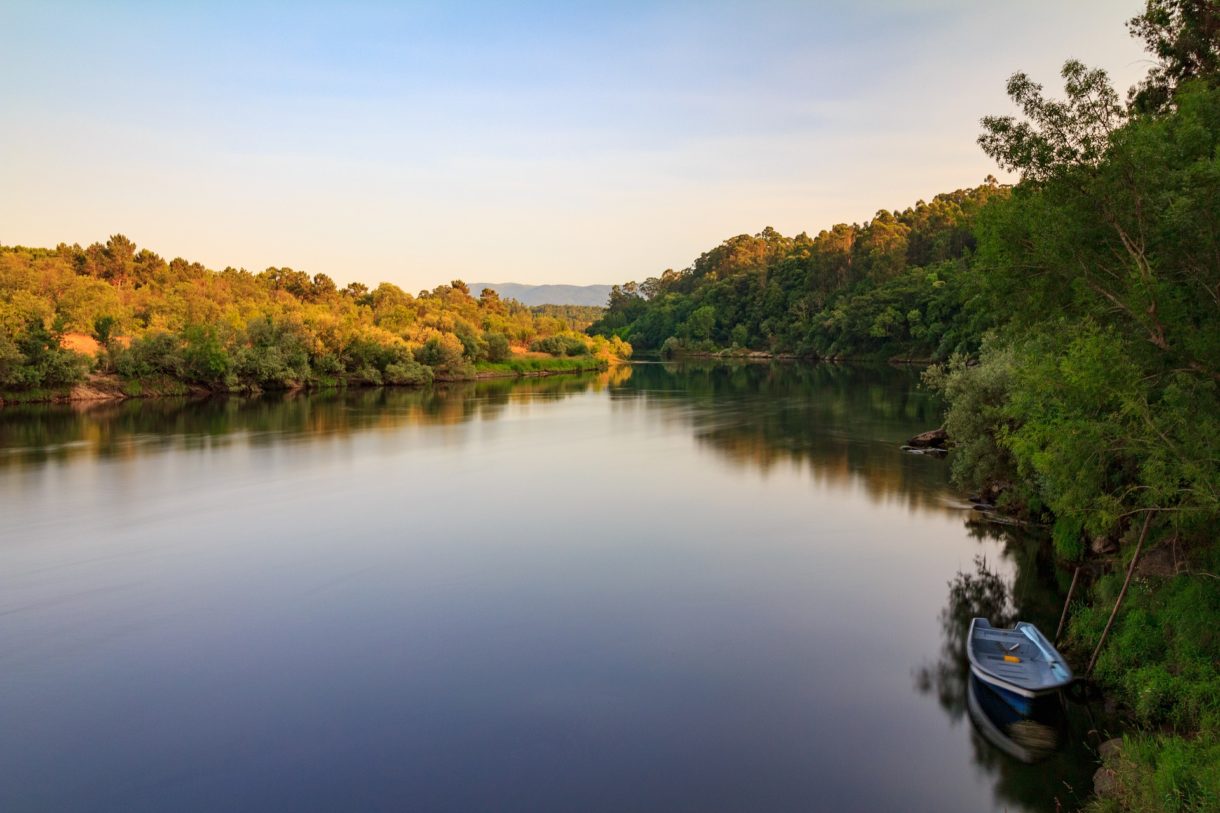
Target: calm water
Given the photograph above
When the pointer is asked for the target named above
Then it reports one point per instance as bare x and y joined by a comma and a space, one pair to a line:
668, 588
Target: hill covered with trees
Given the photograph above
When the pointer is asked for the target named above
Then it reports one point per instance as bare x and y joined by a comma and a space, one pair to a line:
899, 284
172, 325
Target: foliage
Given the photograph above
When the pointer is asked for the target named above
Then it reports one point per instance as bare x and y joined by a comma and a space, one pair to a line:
532, 365
564, 344
31, 358
1097, 399
1105, 256
1182, 35
898, 285
233, 330
579, 317
977, 394
1167, 772
497, 346
1056, 137
1162, 663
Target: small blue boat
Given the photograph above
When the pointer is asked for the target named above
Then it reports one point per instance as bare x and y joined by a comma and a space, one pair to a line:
1019, 663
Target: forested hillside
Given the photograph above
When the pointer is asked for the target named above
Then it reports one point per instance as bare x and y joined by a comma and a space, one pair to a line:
128, 312
897, 285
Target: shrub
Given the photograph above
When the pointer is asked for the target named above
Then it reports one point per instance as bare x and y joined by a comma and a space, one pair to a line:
442, 351
562, 344
153, 354
205, 358
407, 371
497, 346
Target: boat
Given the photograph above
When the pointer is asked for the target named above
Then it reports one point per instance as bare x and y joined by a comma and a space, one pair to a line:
1022, 737
1018, 663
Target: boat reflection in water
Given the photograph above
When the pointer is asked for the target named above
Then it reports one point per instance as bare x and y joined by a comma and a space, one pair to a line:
1028, 737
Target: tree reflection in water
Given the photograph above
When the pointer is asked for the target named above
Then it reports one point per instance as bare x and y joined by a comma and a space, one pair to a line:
38, 433
982, 593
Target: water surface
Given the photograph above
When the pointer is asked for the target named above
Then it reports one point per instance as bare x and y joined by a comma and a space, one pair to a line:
680, 588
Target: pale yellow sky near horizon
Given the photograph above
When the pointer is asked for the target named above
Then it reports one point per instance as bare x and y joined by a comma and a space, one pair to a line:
545, 145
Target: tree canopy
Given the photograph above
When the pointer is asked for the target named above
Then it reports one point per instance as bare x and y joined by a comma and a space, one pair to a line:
232, 329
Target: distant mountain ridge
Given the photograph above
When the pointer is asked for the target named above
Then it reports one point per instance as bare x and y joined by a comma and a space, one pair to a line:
547, 294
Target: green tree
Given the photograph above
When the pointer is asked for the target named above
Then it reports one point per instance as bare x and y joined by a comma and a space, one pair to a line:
1184, 38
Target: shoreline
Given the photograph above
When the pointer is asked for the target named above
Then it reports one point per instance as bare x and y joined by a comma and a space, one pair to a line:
109, 388
766, 355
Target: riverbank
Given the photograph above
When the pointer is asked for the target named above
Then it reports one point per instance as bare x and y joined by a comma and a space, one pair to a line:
1153, 641
533, 367
765, 355
112, 387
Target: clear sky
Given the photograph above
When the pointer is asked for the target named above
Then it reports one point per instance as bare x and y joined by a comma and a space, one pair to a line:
565, 142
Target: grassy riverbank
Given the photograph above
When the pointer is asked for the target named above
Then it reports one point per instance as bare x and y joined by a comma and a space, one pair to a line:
525, 366
1161, 666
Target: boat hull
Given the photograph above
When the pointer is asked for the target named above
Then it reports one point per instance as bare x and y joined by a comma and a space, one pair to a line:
1022, 735
1018, 663
1021, 700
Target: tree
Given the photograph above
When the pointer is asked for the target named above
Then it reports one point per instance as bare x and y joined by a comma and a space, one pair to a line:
497, 346
1184, 37
1057, 136
322, 287
119, 259
103, 328
701, 323
1115, 223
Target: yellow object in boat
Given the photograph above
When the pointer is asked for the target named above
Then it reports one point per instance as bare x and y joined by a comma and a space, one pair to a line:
1011, 659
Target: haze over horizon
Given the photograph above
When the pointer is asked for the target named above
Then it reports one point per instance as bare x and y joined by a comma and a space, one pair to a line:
543, 145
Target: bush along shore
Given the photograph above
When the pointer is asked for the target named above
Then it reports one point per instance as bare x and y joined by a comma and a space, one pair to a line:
111, 321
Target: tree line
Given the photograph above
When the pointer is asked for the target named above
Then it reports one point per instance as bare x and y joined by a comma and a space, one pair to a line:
182, 323
899, 284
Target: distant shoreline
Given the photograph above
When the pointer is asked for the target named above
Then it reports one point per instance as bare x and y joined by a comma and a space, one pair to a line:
109, 387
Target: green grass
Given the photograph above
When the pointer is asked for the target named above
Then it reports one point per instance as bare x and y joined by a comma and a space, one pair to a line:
534, 364
1162, 663
153, 387
33, 396
1166, 772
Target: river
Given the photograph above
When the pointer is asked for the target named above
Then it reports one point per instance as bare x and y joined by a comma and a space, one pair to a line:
690, 587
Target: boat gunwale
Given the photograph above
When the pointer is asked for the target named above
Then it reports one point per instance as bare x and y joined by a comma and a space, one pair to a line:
987, 675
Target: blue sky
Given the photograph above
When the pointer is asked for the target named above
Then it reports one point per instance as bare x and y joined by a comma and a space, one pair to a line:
537, 143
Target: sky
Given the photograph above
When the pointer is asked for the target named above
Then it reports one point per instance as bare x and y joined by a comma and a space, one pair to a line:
540, 143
